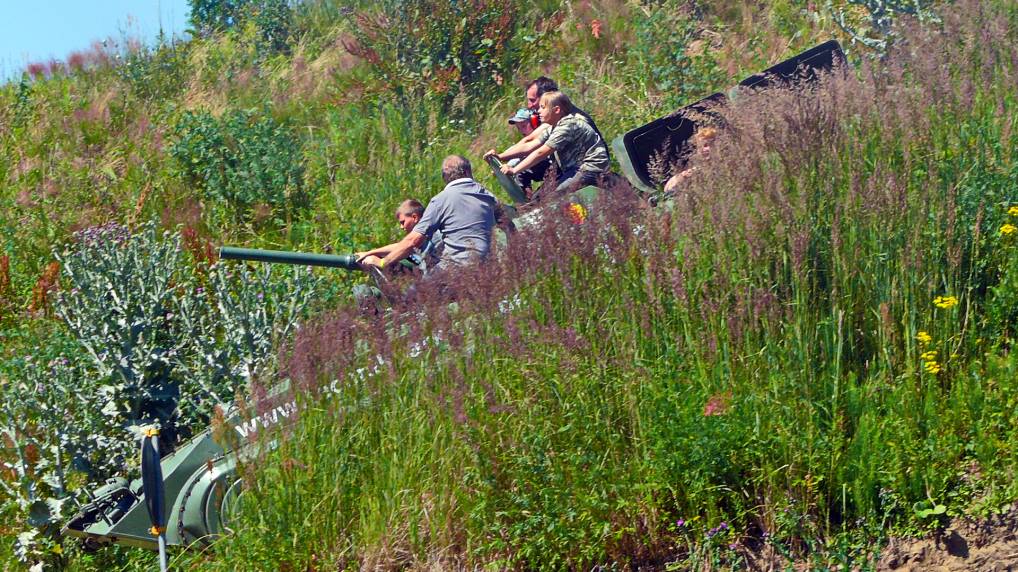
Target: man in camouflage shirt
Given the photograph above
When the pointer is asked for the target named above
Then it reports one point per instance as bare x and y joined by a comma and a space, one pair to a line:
580, 152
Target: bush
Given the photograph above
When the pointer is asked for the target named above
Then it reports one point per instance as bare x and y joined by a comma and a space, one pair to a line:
242, 158
872, 22
272, 18
150, 342
428, 51
671, 55
154, 331
155, 73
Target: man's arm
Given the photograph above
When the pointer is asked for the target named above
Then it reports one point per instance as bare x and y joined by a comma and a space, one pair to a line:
519, 149
403, 248
380, 251
536, 133
533, 158
522, 147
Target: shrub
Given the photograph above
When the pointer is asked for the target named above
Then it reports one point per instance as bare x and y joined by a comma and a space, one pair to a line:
243, 158
212, 15
428, 51
272, 18
871, 22
147, 343
56, 432
671, 55
155, 73
154, 331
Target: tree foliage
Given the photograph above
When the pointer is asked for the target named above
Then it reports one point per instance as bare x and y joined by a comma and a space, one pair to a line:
272, 18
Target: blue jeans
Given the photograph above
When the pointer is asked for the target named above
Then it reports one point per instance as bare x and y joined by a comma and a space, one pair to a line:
574, 179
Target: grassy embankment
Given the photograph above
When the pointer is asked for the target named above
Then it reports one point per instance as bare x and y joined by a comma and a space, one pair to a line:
810, 353
755, 359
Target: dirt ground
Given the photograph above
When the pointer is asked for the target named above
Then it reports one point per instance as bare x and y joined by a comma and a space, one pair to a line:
986, 544
989, 544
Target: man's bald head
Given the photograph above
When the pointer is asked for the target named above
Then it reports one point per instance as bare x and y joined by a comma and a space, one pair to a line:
456, 167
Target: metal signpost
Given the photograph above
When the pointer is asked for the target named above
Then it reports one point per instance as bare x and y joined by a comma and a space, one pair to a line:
155, 493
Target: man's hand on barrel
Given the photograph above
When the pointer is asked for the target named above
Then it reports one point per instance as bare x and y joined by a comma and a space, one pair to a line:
368, 261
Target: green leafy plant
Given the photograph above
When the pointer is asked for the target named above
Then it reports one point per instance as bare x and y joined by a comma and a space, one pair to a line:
156, 72
243, 158
438, 55
928, 509
672, 54
272, 19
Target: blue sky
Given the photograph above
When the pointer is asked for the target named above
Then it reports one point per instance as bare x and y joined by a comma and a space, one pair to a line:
40, 30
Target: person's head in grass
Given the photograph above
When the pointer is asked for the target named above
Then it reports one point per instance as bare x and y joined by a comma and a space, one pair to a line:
554, 106
699, 154
409, 213
703, 139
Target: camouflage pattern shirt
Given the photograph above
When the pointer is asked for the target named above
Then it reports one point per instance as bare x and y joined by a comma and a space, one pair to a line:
577, 145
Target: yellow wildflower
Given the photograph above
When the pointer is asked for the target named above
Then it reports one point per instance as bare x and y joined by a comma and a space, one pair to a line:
1008, 229
924, 338
945, 302
932, 367
929, 356
576, 213
1013, 211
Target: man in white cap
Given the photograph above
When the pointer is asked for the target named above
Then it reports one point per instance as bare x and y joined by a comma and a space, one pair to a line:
535, 89
523, 121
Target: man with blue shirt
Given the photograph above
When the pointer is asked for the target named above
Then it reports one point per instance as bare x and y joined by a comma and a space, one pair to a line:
464, 212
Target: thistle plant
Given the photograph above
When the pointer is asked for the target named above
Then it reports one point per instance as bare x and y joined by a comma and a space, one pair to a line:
57, 435
878, 32
233, 329
120, 304
151, 344
169, 349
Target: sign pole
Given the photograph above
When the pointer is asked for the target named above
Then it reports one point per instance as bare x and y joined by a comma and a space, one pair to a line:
154, 490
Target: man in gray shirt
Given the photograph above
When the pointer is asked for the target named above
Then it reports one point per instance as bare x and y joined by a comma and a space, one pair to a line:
464, 212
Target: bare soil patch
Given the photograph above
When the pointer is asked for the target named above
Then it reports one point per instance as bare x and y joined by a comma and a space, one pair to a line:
967, 544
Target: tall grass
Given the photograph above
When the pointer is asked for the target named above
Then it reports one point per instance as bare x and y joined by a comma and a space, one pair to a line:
614, 391
749, 368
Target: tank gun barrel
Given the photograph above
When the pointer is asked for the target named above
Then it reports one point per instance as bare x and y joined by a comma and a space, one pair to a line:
344, 261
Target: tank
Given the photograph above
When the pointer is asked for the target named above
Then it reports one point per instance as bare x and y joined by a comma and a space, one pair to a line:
202, 488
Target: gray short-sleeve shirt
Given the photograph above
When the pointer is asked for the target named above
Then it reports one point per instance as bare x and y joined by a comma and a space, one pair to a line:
464, 212
577, 145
